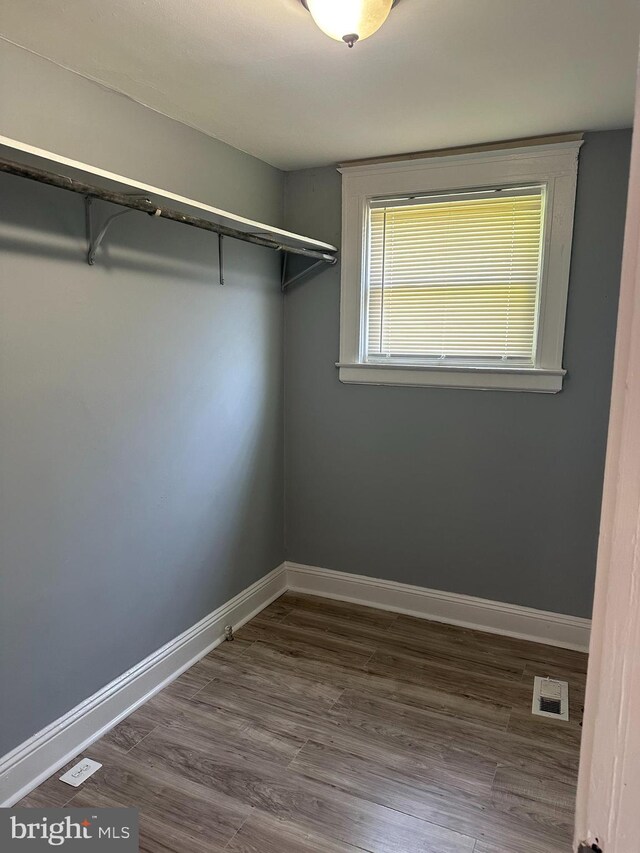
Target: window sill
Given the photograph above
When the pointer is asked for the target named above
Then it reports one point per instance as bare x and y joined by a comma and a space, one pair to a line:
535, 379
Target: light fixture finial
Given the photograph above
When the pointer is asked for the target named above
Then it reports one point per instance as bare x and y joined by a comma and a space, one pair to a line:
349, 20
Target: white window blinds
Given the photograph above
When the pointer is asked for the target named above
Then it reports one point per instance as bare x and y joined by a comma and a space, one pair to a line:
455, 278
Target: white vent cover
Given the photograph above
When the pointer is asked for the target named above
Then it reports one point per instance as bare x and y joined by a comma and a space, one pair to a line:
550, 698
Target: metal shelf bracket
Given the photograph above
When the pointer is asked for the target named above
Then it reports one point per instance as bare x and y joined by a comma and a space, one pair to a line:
93, 243
221, 259
309, 272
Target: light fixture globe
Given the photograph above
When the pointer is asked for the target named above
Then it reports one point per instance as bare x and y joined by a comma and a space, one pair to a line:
349, 20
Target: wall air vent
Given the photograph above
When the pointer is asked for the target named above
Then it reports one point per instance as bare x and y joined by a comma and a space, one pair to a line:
550, 698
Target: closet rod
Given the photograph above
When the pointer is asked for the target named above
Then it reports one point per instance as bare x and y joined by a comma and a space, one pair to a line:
146, 205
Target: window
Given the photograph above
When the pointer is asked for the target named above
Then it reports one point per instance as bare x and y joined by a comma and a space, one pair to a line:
455, 269
454, 278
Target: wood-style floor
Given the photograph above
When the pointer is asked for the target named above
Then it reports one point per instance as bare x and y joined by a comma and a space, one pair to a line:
331, 728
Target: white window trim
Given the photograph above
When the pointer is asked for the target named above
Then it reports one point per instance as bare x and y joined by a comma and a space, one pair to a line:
554, 165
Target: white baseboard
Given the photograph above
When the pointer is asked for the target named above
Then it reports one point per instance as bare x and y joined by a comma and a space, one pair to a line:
36, 759
33, 761
496, 617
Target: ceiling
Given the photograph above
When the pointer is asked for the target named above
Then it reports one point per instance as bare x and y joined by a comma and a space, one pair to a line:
259, 75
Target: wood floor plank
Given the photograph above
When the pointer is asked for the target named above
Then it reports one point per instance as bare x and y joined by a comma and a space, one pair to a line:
279, 717
277, 710
453, 680
454, 649
203, 732
250, 679
365, 710
230, 650
340, 627
491, 845
257, 784
421, 796
263, 834
402, 730
276, 611
310, 643
544, 729
132, 729
188, 684
513, 787
165, 797
358, 614
549, 669
425, 731
524, 650
437, 762
420, 694
156, 837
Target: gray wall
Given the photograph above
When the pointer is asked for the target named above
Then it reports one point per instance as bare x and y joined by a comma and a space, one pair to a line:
141, 434
492, 494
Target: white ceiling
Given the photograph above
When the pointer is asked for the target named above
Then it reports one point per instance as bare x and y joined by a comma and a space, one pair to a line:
259, 75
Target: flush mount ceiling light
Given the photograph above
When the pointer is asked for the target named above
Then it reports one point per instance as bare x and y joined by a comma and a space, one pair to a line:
349, 20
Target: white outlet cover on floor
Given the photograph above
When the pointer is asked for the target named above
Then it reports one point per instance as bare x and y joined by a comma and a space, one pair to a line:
80, 772
548, 692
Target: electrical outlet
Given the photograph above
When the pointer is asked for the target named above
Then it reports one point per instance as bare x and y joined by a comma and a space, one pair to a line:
80, 772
